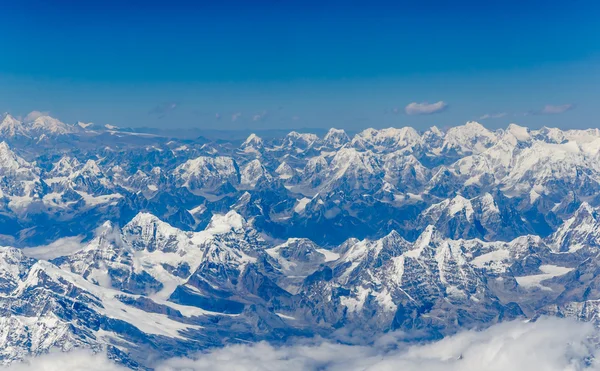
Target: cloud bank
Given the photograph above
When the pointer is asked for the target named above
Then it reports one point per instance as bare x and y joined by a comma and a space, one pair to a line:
425, 108
61, 247
550, 344
76, 360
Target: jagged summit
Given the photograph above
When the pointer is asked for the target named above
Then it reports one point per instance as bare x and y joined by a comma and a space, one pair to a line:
336, 138
44, 125
10, 126
49, 125
253, 142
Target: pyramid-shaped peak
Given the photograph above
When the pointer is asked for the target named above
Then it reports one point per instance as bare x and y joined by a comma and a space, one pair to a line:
394, 238
8, 159
145, 218
91, 167
65, 165
252, 140
10, 126
430, 234
7, 119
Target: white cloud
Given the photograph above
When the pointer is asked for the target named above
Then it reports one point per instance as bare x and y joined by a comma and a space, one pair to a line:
493, 115
554, 110
425, 108
31, 116
61, 247
76, 360
259, 116
550, 344
236, 116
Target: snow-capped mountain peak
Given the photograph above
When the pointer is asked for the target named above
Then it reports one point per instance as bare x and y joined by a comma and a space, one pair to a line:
253, 142
10, 126
9, 161
231, 221
336, 138
85, 125
65, 166
469, 138
521, 133
49, 125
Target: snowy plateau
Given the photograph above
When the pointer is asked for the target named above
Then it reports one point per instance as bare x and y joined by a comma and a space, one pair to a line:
148, 248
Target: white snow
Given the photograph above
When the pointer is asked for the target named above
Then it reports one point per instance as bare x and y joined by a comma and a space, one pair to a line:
207, 172
285, 316
549, 271
150, 323
356, 301
301, 204
92, 200
221, 224
84, 125
520, 132
492, 260
329, 255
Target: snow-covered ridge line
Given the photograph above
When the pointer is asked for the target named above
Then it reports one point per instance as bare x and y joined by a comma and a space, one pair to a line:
145, 242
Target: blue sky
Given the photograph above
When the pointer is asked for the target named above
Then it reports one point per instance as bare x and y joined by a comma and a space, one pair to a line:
294, 64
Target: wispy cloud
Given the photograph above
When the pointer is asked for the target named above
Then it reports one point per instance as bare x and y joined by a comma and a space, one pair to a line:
425, 108
550, 344
31, 116
493, 115
259, 116
163, 109
61, 247
236, 116
555, 110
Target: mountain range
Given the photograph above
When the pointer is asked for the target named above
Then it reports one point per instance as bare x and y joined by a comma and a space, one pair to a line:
149, 246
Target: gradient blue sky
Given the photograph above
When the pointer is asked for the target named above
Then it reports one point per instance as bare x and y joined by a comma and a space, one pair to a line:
293, 64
